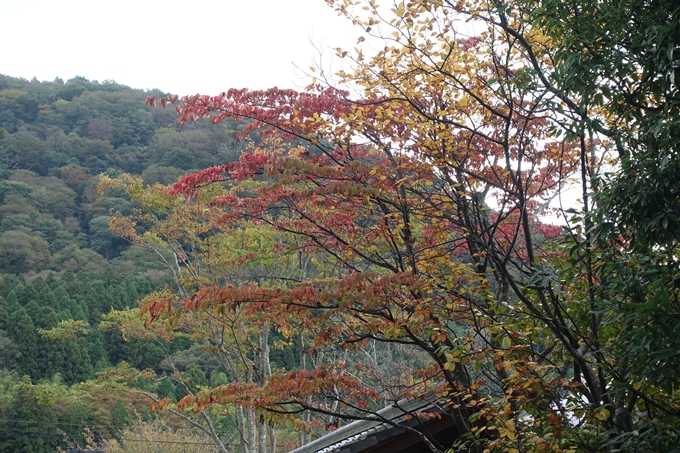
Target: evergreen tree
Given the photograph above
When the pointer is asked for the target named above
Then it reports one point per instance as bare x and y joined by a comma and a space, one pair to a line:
110, 277
64, 301
47, 298
9, 353
4, 313
142, 355
165, 388
67, 277
51, 281
52, 354
83, 278
111, 301
120, 417
19, 290
21, 331
73, 416
195, 378
38, 284
98, 298
131, 290
143, 285
80, 303
12, 302
78, 313
10, 281
95, 316
45, 318
29, 295
29, 421
115, 346
74, 288
64, 315
97, 351
120, 296
78, 366
32, 308
218, 378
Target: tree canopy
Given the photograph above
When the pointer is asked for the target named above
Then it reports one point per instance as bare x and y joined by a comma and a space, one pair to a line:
421, 196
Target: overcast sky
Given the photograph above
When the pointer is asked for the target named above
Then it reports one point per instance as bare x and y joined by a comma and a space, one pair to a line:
182, 47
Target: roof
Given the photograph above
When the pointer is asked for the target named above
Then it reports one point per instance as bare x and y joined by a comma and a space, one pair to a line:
362, 435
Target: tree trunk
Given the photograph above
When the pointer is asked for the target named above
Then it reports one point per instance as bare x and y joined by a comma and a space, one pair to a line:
240, 423
272, 438
303, 435
251, 429
261, 436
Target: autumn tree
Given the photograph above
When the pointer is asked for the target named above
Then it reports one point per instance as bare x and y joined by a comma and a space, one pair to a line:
198, 251
424, 189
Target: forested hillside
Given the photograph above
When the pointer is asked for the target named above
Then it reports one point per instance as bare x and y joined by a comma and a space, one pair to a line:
56, 139
61, 267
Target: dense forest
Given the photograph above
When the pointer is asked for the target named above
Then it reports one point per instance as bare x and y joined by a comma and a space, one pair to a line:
56, 139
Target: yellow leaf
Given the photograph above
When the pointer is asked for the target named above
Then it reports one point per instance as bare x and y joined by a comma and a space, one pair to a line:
602, 414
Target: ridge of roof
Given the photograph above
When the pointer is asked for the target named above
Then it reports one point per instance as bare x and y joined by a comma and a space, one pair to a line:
360, 428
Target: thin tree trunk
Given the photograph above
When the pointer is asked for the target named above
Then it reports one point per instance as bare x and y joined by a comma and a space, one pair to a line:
240, 423
251, 429
261, 436
303, 435
272, 438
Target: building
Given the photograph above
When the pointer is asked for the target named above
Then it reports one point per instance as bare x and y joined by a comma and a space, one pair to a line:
380, 435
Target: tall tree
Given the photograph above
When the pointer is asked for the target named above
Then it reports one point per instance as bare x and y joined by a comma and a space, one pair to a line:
424, 194
21, 331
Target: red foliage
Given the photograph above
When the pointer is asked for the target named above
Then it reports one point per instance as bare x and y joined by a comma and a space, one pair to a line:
414, 214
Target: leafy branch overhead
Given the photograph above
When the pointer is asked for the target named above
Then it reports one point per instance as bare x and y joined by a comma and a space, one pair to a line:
423, 193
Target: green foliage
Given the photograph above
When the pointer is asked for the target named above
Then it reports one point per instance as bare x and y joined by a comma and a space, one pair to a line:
86, 151
165, 388
25, 150
21, 330
195, 378
180, 158
14, 188
9, 352
620, 64
78, 259
102, 240
633, 43
158, 174
120, 417
53, 137
20, 252
105, 206
50, 195
28, 421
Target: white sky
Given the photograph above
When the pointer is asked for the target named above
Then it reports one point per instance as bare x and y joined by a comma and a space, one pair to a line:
182, 47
